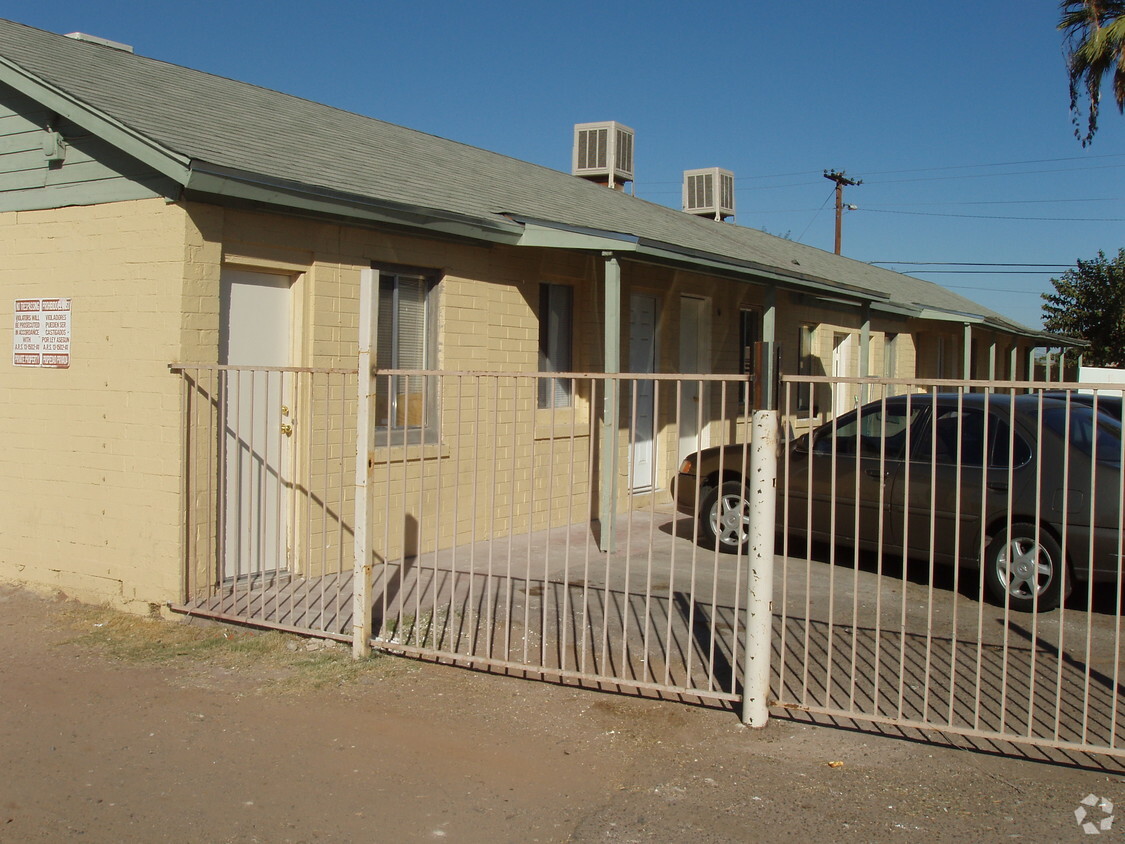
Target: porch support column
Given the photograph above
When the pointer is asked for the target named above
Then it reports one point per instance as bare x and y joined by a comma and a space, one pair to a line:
1014, 362
967, 354
364, 469
611, 410
992, 361
1031, 364
769, 337
864, 352
1062, 364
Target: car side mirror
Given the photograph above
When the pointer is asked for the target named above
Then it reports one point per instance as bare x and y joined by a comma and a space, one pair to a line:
801, 444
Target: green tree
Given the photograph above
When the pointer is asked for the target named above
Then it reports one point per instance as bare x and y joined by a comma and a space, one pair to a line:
1089, 304
1094, 41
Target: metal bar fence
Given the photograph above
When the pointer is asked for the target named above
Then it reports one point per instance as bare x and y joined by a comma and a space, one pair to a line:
951, 559
487, 542
268, 507
490, 550
487, 489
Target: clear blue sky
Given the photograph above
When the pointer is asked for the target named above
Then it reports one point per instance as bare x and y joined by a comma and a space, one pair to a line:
954, 114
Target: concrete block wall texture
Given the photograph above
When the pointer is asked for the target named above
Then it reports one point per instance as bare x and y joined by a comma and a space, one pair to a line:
488, 322
90, 470
93, 471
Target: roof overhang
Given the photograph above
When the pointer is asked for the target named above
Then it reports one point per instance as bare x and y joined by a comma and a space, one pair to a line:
165, 161
940, 315
202, 180
207, 181
552, 235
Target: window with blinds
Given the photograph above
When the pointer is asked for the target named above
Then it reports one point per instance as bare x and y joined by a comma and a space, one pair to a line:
404, 341
556, 317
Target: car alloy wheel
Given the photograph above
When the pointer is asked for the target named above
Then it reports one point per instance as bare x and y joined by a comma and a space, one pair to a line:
1025, 569
727, 516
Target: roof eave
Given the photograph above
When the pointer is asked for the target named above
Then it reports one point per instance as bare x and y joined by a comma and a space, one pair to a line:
165, 161
208, 181
553, 235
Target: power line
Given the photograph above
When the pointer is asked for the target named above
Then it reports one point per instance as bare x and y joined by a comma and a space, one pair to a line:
995, 175
989, 272
998, 164
831, 193
969, 264
932, 169
980, 289
998, 217
1010, 201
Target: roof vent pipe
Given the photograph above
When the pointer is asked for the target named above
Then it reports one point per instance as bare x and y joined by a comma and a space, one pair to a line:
102, 42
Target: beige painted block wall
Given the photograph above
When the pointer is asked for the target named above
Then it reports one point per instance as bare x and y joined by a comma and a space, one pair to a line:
89, 472
487, 322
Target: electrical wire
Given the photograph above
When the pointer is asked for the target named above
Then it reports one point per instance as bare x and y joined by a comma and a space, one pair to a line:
968, 264
929, 169
996, 216
831, 193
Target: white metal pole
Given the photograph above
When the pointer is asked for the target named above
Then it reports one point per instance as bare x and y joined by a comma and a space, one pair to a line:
762, 496
364, 470
611, 411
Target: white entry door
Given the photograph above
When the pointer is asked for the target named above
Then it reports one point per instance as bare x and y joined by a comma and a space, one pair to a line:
845, 361
695, 358
255, 324
642, 358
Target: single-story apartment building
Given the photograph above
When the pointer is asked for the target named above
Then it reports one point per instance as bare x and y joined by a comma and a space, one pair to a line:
155, 217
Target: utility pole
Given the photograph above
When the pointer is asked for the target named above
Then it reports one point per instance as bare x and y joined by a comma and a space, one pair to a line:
841, 179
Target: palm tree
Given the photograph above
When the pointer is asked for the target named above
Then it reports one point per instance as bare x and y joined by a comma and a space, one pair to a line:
1095, 48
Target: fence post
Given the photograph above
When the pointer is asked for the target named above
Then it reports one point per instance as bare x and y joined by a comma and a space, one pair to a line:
762, 498
611, 411
365, 445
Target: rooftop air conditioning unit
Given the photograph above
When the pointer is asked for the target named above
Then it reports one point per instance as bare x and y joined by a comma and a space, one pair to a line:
603, 153
709, 192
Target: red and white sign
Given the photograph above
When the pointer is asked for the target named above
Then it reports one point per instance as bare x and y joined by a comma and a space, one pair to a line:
41, 336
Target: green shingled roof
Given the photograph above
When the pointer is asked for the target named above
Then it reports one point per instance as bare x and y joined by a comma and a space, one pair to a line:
208, 124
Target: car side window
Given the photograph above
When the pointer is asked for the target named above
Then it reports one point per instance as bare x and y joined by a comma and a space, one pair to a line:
1087, 430
965, 427
953, 426
869, 433
1007, 450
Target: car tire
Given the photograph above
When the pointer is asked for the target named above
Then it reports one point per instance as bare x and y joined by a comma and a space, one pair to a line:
1038, 567
724, 518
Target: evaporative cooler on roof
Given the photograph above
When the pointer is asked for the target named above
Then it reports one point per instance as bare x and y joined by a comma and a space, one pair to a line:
603, 153
709, 192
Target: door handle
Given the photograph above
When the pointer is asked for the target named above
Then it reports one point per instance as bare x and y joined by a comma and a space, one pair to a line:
997, 486
875, 473
287, 429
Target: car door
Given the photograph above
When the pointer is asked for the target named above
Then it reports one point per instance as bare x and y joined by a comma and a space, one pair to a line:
956, 480
839, 484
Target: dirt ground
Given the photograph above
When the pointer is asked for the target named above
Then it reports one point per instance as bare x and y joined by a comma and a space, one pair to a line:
114, 728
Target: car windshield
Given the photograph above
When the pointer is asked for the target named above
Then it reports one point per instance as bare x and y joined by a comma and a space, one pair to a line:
1089, 432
